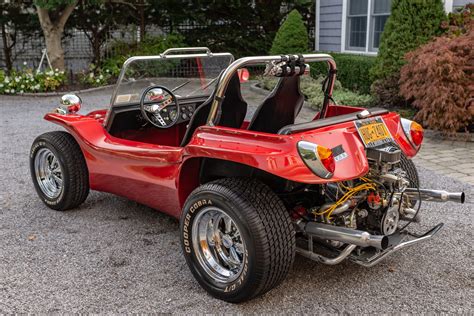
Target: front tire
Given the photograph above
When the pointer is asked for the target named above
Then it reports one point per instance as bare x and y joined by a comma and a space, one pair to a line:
59, 171
237, 237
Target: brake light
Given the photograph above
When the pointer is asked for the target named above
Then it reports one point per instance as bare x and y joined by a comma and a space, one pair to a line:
416, 132
327, 158
413, 131
318, 158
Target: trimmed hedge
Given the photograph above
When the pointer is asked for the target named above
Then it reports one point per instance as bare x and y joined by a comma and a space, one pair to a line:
292, 36
352, 71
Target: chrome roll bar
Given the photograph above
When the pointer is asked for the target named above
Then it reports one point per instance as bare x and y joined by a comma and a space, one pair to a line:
259, 60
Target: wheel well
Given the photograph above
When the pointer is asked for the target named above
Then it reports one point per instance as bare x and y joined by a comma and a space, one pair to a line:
197, 171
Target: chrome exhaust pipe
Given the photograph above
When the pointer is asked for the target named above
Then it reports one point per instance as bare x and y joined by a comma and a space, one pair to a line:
346, 235
435, 195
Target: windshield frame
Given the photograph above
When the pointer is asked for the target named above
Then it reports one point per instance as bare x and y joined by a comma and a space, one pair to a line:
158, 57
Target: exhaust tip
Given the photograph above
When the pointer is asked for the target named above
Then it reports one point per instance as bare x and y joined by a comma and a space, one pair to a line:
463, 197
384, 242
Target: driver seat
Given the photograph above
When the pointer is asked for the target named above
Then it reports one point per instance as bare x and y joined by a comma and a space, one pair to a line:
231, 112
280, 108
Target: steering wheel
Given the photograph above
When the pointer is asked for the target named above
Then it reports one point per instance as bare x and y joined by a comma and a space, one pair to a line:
159, 106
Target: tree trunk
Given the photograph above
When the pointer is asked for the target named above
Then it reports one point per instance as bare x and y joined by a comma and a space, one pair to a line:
53, 32
55, 49
7, 50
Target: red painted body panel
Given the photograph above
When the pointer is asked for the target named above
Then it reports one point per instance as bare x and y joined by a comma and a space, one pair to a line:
142, 170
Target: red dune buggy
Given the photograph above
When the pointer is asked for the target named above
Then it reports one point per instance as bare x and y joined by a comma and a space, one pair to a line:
249, 194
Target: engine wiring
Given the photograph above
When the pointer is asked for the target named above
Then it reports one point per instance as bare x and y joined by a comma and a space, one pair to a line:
368, 185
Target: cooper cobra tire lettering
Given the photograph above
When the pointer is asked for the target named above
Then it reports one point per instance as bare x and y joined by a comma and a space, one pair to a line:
268, 239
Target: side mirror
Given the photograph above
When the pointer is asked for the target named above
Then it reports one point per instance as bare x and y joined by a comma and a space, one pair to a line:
69, 104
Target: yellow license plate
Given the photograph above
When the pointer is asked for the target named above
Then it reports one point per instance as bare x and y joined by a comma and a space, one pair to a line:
373, 132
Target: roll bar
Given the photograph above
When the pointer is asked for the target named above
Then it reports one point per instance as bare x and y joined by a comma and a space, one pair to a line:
258, 60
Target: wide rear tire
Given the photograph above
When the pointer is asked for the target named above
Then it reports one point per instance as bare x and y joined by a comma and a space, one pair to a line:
237, 237
59, 171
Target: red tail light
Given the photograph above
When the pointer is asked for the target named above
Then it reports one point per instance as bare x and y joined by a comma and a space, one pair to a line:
416, 132
413, 131
318, 158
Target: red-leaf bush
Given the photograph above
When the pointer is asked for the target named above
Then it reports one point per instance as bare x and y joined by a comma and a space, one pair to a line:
439, 80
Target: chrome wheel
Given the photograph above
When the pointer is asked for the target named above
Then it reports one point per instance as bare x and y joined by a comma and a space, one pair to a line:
218, 245
48, 173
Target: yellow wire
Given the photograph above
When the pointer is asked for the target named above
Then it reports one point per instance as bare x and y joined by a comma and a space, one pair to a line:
351, 192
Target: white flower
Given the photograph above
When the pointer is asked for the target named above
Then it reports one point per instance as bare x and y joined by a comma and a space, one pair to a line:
37, 87
56, 69
91, 75
17, 79
101, 77
12, 90
7, 91
22, 86
21, 91
97, 81
25, 63
48, 78
1, 85
107, 71
7, 79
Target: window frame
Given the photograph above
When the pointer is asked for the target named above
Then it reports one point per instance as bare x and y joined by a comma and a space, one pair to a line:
345, 29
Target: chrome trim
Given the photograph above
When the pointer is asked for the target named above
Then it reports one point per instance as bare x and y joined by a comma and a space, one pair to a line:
308, 153
186, 49
329, 261
379, 257
346, 235
219, 247
435, 195
406, 127
48, 173
258, 60
66, 102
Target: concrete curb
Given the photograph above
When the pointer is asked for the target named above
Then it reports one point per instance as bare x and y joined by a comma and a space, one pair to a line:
57, 93
255, 88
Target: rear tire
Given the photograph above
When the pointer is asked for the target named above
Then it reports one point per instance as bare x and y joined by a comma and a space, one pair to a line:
409, 167
237, 237
59, 171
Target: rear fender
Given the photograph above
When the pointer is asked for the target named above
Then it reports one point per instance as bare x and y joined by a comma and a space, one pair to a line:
278, 155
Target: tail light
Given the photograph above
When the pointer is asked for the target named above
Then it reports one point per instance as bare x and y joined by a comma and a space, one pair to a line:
413, 131
318, 158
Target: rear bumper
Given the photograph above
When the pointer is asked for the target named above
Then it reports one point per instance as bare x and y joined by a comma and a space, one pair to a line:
398, 241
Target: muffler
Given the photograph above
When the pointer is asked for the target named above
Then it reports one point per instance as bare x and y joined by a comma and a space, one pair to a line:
435, 195
346, 235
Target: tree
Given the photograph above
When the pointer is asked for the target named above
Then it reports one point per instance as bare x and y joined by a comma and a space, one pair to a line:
18, 23
292, 37
53, 15
411, 24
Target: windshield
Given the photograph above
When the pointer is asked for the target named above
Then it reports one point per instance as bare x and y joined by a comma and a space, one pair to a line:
185, 75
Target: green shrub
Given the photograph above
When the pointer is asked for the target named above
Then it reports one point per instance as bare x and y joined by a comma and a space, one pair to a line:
25, 80
314, 95
292, 36
411, 24
352, 71
148, 46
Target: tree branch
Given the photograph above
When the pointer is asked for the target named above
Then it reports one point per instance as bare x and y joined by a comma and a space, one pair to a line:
45, 21
65, 15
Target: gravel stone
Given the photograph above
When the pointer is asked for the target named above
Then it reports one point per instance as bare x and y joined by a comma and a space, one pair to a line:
112, 255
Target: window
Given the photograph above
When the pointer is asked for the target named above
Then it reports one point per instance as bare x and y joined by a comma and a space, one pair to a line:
365, 22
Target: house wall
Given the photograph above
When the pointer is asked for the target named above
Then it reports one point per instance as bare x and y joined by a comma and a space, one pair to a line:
460, 3
330, 20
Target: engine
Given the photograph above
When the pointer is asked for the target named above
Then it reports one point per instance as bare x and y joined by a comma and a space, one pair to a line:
375, 203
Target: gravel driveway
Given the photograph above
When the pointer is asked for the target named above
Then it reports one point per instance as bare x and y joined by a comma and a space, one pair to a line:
113, 255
